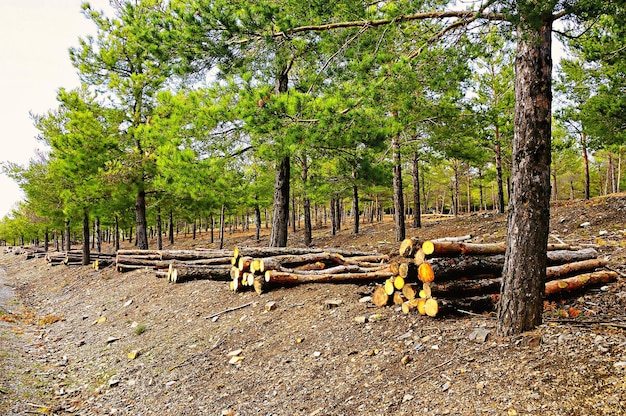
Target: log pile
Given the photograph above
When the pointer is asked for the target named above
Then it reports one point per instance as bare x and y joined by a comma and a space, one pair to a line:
261, 268
178, 265
449, 274
75, 258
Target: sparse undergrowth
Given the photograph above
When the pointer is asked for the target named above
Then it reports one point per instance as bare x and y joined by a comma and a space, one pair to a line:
79, 346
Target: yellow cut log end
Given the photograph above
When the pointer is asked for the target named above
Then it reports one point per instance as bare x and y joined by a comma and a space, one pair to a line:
431, 307
425, 273
428, 247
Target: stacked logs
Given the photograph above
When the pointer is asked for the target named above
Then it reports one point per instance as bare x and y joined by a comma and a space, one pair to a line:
263, 267
458, 275
178, 265
75, 258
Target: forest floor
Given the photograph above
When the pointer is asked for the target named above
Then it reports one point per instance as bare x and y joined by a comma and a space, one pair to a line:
66, 334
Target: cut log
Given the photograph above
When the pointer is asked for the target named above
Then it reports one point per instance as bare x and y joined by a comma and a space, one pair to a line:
409, 246
291, 260
431, 307
189, 272
398, 298
557, 257
425, 273
380, 296
277, 277
420, 257
456, 239
398, 282
440, 248
579, 282
389, 288
410, 291
447, 268
555, 272
408, 271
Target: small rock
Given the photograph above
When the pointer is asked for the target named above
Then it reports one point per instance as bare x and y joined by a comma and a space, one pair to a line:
170, 383
332, 303
317, 354
446, 386
405, 360
234, 353
112, 339
360, 319
407, 398
128, 303
113, 381
603, 232
480, 385
270, 306
585, 224
235, 360
375, 317
479, 335
620, 364
365, 299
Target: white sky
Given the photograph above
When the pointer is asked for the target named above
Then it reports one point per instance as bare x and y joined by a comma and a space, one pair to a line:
35, 36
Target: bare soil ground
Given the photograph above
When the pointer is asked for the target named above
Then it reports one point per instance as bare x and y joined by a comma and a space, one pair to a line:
66, 334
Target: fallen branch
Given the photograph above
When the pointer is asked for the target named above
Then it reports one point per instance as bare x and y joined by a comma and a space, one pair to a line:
228, 310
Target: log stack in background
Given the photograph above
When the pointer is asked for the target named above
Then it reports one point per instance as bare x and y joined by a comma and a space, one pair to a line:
264, 267
178, 265
451, 274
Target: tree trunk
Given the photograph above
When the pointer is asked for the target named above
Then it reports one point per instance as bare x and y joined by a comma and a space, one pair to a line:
280, 218
398, 198
521, 305
68, 239
498, 152
116, 241
583, 144
86, 259
417, 209
159, 230
141, 223
98, 236
222, 226
355, 204
257, 223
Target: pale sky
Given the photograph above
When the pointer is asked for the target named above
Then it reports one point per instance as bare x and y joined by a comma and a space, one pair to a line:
35, 36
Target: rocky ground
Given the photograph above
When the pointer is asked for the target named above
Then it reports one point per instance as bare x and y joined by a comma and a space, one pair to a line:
78, 341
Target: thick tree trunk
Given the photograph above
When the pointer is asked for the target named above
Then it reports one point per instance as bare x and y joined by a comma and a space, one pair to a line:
524, 272
417, 209
398, 198
280, 218
140, 218
86, 259
46, 239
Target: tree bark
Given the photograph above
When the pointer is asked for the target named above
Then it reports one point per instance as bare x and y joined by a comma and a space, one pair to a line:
398, 198
583, 144
280, 218
522, 293
417, 209
140, 218
498, 155
68, 239
355, 204
222, 226
85, 258
159, 229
